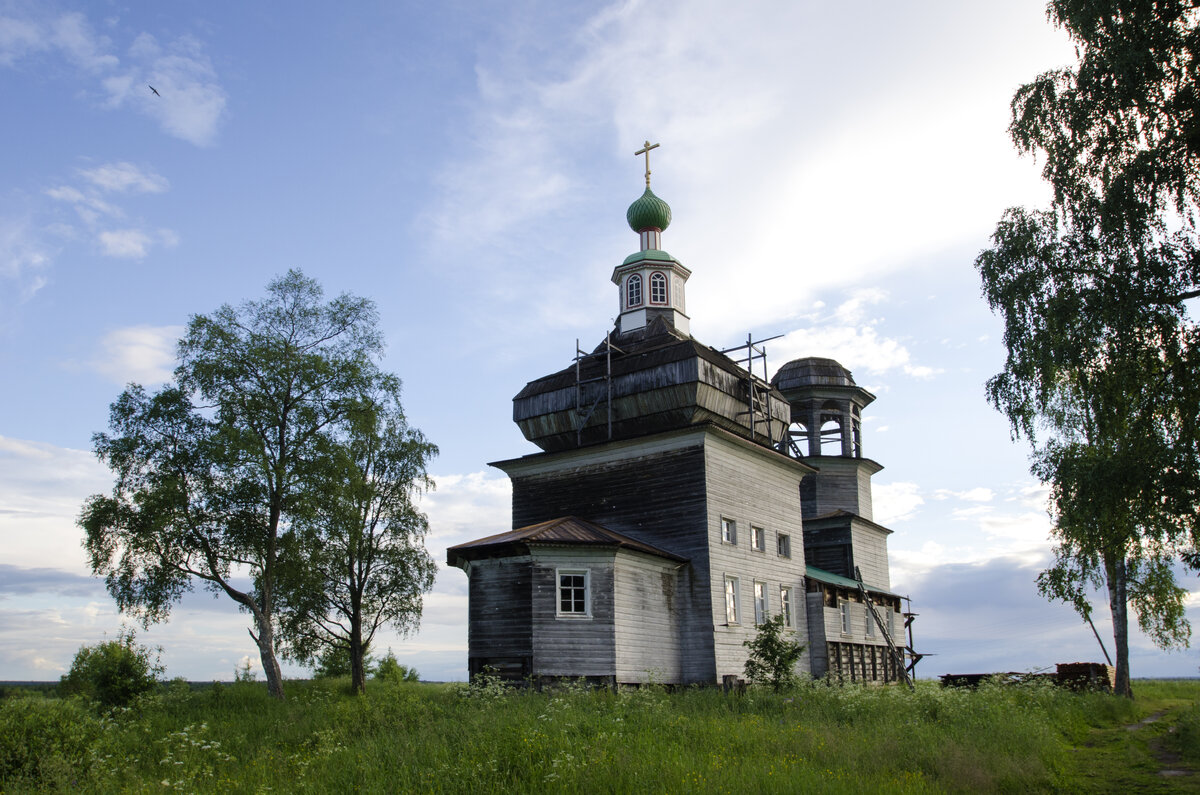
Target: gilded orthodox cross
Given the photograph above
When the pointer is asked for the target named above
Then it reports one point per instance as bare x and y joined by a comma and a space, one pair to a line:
645, 150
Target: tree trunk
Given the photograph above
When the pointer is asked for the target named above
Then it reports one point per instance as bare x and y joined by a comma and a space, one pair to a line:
1117, 596
358, 674
266, 653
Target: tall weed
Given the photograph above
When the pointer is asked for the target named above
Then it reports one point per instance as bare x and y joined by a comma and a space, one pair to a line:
402, 736
46, 742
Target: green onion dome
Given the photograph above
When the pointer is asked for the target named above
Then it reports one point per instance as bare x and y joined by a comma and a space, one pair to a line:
648, 212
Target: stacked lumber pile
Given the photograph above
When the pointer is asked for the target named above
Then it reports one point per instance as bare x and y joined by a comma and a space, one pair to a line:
1087, 676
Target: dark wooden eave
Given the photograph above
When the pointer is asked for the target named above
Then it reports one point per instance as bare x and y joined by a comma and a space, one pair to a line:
840, 518
563, 531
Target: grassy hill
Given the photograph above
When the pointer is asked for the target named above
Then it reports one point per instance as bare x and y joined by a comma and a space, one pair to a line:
451, 738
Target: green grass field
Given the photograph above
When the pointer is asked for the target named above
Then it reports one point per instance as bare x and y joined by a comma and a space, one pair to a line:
448, 738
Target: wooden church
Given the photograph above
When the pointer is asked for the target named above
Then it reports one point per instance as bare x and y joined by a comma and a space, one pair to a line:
678, 501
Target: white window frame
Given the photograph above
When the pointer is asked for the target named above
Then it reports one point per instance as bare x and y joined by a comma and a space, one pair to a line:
658, 284
733, 611
761, 606
785, 606
587, 592
845, 617
783, 545
633, 289
758, 539
728, 531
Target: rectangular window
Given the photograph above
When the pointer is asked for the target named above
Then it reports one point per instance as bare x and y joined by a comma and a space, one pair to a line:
758, 539
785, 605
731, 600
784, 545
760, 603
845, 618
573, 592
729, 531
870, 621
891, 623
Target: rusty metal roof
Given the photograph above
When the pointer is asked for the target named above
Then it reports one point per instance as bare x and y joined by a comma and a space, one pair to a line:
565, 530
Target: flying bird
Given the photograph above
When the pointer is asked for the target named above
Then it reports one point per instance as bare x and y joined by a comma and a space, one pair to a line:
155, 90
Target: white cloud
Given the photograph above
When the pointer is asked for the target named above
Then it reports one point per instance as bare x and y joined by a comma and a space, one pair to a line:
72, 34
42, 487
850, 336
755, 183
96, 212
18, 38
191, 102
1033, 495
144, 354
90, 207
465, 507
124, 243
124, 177
26, 252
895, 502
978, 494
856, 348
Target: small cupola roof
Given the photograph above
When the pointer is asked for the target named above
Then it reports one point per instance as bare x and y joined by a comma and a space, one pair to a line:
648, 212
811, 371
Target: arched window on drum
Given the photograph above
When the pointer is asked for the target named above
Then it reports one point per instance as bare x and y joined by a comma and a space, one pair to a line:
633, 291
658, 288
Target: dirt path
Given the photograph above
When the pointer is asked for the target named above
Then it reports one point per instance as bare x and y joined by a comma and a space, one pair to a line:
1170, 763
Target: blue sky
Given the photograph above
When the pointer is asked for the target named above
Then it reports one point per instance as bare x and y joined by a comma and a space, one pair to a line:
833, 172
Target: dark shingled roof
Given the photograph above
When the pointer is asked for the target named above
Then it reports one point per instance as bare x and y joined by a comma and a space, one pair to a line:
811, 371
640, 350
841, 514
565, 530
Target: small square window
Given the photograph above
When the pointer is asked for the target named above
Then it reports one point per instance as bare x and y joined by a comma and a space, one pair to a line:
573, 592
729, 531
731, 600
760, 603
785, 605
784, 545
758, 539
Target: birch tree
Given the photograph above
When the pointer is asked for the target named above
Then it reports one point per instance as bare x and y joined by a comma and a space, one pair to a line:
212, 469
1103, 368
360, 554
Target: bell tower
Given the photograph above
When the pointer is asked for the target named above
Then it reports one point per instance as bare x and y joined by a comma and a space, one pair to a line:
840, 533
